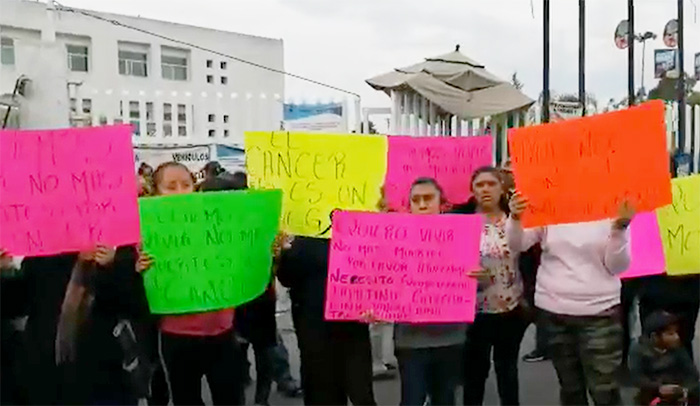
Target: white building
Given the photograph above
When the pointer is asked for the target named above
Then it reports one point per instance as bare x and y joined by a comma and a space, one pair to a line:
171, 93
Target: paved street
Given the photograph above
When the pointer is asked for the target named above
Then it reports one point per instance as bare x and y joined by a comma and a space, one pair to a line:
538, 381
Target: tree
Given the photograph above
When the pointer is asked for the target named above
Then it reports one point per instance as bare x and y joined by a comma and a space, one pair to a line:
694, 99
667, 88
516, 82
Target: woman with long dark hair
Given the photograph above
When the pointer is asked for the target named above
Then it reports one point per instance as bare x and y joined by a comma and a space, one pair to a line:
196, 344
500, 320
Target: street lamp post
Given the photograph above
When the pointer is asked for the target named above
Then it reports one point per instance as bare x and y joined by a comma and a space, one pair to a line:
643, 38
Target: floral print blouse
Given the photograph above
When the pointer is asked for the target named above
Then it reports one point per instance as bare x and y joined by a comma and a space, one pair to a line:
503, 290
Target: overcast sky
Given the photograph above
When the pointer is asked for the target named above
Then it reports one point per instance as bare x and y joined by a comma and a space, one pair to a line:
344, 42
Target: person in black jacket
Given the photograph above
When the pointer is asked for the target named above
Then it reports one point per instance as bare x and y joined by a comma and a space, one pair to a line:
336, 357
73, 303
11, 293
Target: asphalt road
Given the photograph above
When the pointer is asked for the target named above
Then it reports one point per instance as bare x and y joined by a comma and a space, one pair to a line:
538, 381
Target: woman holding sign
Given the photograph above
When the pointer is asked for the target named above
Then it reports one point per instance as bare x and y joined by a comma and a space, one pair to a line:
500, 321
427, 353
198, 344
72, 302
578, 294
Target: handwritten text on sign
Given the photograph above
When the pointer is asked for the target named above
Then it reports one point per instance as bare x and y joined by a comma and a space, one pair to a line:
679, 224
582, 170
212, 250
67, 190
451, 161
318, 173
402, 267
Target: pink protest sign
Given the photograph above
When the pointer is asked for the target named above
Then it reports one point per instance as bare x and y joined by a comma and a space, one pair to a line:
450, 161
402, 267
67, 190
647, 250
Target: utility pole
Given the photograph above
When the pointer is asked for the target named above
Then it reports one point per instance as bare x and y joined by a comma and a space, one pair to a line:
545, 64
681, 80
582, 55
630, 54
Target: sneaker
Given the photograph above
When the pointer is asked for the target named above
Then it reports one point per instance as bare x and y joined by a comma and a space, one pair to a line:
535, 356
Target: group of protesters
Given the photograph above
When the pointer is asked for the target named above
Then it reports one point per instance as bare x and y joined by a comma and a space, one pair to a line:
76, 327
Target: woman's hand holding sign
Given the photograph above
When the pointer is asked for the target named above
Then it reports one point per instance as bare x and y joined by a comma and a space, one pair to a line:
518, 204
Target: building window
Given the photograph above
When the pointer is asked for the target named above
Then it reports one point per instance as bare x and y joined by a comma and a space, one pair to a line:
225, 118
136, 127
223, 64
210, 63
133, 63
212, 133
121, 108
212, 118
224, 80
210, 78
77, 58
73, 105
7, 51
182, 131
167, 112
150, 124
174, 67
225, 133
167, 130
134, 108
87, 106
181, 113
117, 121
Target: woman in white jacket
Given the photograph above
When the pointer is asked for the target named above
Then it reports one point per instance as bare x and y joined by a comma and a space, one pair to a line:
578, 296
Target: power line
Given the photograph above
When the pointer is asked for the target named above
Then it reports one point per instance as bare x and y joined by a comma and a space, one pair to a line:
61, 7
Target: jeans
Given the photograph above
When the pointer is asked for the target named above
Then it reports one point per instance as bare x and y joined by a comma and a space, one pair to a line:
429, 372
502, 333
587, 353
188, 358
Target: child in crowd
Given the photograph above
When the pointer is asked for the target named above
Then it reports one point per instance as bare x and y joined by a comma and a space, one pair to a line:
660, 367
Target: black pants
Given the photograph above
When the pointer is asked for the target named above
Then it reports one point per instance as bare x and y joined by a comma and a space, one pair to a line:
687, 312
264, 364
188, 358
503, 333
336, 365
541, 340
12, 391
